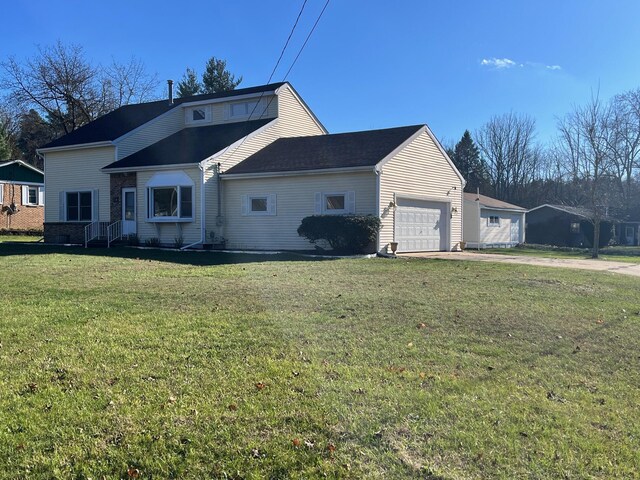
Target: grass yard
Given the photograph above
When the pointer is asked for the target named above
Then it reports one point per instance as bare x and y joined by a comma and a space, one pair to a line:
19, 238
617, 254
150, 364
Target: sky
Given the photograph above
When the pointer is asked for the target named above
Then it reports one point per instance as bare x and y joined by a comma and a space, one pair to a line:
369, 63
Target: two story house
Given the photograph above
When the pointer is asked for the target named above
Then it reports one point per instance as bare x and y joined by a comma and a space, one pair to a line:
247, 166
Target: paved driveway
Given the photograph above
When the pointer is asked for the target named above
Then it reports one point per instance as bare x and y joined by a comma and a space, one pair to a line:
581, 264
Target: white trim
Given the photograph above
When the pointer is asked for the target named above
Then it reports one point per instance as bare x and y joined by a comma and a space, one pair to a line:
426, 198
31, 184
1, 193
256, 112
188, 115
172, 166
491, 224
270, 204
302, 104
292, 173
79, 146
559, 208
150, 218
66, 211
229, 98
24, 164
123, 193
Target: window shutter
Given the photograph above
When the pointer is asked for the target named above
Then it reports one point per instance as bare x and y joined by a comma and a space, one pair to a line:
62, 217
147, 202
245, 205
318, 202
95, 215
351, 202
40, 195
1, 193
25, 195
271, 204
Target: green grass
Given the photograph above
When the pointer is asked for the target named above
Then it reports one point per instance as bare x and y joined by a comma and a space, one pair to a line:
205, 365
19, 238
617, 254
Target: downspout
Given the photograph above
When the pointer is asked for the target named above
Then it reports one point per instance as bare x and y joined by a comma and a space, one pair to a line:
202, 208
479, 217
378, 173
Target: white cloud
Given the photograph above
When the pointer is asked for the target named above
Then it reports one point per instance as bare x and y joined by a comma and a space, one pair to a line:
505, 63
498, 62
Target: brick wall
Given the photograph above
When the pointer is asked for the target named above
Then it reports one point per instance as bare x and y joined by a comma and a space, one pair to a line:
118, 182
26, 217
62, 232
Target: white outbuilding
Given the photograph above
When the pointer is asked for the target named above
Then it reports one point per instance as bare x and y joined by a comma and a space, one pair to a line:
491, 223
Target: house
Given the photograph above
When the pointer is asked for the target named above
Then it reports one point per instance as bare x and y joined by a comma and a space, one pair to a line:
245, 167
21, 197
628, 232
492, 223
565, 226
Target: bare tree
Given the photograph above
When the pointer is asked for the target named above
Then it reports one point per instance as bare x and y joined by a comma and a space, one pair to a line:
506, 143
586, 137
68, 90
625, 140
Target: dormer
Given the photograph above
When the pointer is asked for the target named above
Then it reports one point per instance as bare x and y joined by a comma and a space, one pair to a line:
230, 109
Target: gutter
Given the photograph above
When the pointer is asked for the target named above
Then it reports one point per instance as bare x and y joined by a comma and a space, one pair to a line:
80, 146
232, 176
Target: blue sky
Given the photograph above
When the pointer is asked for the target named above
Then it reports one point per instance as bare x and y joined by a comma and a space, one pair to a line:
370, 63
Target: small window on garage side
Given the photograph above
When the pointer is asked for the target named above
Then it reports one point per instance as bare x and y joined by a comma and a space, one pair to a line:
258, 205
494, 221
335, 203
575, 227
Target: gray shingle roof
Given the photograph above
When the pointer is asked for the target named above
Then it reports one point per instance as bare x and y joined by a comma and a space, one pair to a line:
342, 150
124, 119
189, 145
491, 202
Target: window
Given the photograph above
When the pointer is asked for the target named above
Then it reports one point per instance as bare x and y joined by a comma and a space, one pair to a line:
494, 221
335, 203
244, 109
575, 227
79, 206
32, 196
167, 203
199, 114
258, 205
628, 232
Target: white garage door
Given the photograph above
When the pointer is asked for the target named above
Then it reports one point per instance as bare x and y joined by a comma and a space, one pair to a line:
421, 225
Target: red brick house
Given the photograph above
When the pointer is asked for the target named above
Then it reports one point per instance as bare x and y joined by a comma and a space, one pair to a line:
21, 197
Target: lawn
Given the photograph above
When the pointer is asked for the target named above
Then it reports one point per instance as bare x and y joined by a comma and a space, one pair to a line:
19, 238
617, 254
128, 363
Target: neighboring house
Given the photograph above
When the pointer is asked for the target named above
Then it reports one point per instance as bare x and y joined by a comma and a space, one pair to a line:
628, 232
492, 223
21, 197
245, 166
565, 226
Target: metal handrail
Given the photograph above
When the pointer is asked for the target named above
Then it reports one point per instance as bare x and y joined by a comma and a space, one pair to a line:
114, 232
94, 230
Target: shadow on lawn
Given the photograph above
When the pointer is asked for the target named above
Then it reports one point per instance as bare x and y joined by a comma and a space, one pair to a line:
203, 258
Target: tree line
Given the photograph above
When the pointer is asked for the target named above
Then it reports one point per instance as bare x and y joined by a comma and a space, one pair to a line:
59, 89
593, 161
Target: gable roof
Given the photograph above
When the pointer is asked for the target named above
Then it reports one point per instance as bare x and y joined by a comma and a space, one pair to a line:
189, 145
19, 171
490, 202
341, 150
577, 211
115, 124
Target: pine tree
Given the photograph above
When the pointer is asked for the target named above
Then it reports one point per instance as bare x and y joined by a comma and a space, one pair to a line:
189, 85
466, 158
217, 78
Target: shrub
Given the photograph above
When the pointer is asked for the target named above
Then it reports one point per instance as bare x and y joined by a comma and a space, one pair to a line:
178, 242
346, 234
152, 242
133, 240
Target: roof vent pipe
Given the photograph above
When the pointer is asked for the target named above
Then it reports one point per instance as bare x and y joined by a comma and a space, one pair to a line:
170, 86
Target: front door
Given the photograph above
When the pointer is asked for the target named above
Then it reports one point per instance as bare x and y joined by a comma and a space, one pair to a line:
129, 211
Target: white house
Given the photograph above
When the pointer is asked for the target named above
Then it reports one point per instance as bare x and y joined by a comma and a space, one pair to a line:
492, 223
247, 166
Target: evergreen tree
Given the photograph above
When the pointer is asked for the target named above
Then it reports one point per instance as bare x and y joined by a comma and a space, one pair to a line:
466, 158
189, 85
217, 78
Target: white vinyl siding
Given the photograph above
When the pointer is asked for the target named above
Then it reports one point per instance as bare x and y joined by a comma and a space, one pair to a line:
73, 171
167, 232
420, 170
296, 197
496, 233
509, 230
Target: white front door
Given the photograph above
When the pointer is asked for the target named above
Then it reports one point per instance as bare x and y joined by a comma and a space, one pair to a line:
129, 211
515, 229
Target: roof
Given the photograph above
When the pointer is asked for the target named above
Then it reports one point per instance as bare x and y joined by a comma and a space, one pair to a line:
342, 150
189, 145
19, 171
489, 202
577, 211
115, 124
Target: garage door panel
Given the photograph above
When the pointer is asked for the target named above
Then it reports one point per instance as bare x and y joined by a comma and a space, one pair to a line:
421, 225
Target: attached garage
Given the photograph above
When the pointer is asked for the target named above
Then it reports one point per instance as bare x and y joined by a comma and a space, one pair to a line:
421, 225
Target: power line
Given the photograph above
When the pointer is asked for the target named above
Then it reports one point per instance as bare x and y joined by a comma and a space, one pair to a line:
287, 42
290, 68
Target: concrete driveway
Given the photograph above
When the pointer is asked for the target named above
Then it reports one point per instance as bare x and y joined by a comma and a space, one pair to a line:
577, 263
